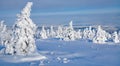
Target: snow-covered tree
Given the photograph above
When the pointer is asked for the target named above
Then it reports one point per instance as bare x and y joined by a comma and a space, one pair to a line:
37, 33
2, 27
85, 33
5, 34
69, 33
2, 32
115, 37
43, 33
48, 33
100, 36
78, 34
59, 32
52, 32
91, 33
71, 25
22, 42
88, 33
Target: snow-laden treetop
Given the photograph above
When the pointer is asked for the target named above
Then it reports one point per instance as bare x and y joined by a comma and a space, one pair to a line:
24, 17
27, 9
71, 25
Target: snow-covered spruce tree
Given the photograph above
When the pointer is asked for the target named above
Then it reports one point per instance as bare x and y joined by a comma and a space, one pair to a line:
48, 33
91, 33
85, 33
2, 26
5, 34
71, 25
43, 34
115, 37
37, 33
78, 34
52, 32
22, 42
59, 32
100, 36
88, 33
69, 33
2, 32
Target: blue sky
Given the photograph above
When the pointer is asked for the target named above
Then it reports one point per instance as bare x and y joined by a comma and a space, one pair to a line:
62, 11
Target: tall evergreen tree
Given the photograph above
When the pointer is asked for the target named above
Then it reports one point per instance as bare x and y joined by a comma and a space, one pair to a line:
22, 42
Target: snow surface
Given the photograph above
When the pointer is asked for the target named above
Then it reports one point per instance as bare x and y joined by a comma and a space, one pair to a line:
71, 53
18, 59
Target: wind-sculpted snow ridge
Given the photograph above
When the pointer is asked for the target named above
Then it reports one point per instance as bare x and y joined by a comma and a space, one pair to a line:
92, 34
